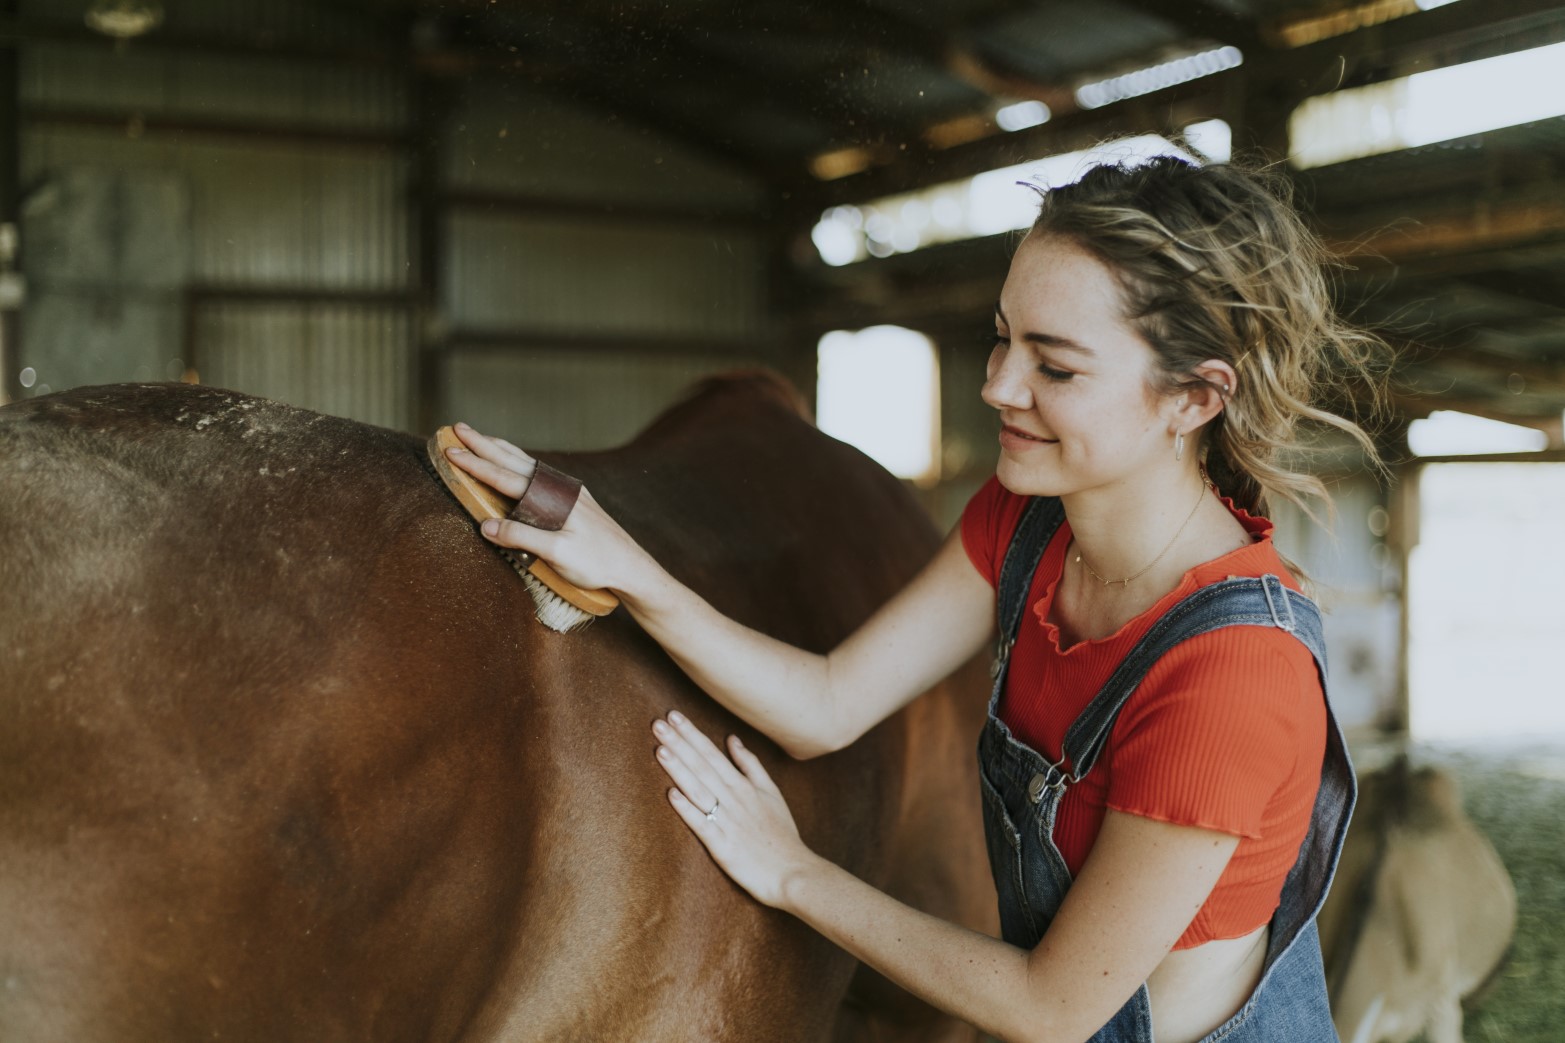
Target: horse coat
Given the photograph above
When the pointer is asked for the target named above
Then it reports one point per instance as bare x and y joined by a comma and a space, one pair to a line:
284, 754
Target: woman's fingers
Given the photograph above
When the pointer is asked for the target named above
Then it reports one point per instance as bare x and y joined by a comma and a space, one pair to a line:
703, 827
694, 740
495, 450
699, 790
519, 536
692, 770
751, 765
496, 476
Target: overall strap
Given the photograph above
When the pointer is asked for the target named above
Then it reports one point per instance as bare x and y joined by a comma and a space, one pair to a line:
1243, 601
1040, 520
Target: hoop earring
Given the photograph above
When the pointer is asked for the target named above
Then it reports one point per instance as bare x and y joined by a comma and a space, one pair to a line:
1179, 445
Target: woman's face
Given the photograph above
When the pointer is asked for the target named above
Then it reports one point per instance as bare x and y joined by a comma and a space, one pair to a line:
1069, 376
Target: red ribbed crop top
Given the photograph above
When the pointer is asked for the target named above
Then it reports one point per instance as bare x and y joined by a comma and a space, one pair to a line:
1227, 731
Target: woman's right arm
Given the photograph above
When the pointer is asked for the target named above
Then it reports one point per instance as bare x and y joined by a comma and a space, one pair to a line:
809, 704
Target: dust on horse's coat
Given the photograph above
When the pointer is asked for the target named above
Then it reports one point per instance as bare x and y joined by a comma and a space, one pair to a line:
285, 756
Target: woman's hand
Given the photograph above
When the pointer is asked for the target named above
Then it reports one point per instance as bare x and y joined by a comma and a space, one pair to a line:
591, 551
733, 807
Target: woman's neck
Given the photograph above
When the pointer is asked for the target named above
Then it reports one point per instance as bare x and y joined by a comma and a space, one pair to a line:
1150, 539
1130, 529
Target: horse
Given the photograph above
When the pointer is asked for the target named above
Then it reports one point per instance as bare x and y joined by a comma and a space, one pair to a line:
286, 756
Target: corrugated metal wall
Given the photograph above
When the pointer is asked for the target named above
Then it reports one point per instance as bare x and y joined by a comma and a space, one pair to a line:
626, 261
348, 361
281, 191
277, 190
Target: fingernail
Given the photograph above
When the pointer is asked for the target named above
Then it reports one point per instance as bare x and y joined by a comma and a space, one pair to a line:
491, 528
455, 450
462, 427
659, 728
676, 717
662, 753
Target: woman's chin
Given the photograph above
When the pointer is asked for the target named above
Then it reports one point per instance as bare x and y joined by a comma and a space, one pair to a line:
1016, 477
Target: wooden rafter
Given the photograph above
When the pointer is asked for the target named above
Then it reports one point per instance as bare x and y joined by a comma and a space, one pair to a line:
1203, 19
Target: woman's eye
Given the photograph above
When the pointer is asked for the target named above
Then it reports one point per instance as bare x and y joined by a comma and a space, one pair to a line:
1055, 374
999, 340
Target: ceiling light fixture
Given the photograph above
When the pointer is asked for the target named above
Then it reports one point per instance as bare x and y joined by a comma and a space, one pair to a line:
124, 19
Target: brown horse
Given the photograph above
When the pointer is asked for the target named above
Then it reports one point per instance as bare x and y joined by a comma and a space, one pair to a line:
284, 754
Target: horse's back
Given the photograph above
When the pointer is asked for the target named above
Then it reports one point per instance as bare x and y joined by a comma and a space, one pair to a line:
290, 759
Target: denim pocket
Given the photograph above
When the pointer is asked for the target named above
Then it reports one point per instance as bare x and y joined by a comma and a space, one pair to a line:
1004, 843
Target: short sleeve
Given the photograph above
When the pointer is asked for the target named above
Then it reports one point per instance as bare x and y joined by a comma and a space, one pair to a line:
988, 522
1216, 730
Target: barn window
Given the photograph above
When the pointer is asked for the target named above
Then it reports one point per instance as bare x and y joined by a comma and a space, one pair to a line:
1448, 433
879, 389
1426, 107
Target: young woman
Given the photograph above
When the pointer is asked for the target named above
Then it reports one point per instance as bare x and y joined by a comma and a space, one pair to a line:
1164, 787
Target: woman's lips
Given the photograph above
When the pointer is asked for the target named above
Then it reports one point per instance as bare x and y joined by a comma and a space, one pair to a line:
1016, 438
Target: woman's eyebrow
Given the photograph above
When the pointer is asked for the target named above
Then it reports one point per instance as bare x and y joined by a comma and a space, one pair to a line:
1047, 340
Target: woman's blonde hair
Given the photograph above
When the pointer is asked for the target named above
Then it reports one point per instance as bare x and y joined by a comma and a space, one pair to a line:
1215, 263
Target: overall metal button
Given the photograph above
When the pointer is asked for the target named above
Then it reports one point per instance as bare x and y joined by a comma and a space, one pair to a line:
1036, 786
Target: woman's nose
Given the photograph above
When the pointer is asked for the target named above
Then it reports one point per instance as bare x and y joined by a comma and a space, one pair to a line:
1007, 387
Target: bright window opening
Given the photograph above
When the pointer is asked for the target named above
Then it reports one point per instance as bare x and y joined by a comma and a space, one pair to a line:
1022, 115
1448, 433
1483, 595
1158, 77
988, 204
1214, 139
879, 389
1427, 107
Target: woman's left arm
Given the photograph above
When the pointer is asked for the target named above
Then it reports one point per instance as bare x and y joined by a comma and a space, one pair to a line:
1137, 893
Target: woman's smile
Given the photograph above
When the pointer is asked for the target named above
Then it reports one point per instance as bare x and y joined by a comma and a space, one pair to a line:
1017, 440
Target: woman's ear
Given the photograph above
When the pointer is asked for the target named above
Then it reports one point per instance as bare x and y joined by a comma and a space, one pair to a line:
1200, 404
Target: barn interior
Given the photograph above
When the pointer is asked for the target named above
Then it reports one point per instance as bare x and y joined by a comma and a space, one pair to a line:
550, 218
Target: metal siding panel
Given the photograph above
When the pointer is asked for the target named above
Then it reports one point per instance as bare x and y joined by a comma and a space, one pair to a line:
508, 140
537, 274
262, 213
346, 361
566, 400
258, 89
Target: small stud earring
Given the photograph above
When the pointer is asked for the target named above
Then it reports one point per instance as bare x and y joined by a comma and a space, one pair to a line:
1179, 445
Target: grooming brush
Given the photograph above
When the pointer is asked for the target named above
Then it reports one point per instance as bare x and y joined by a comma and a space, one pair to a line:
561, 604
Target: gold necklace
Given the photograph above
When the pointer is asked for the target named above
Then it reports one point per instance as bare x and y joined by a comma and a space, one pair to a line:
1206, 483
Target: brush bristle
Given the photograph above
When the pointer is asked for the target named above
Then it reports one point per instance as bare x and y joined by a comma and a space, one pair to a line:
552, 610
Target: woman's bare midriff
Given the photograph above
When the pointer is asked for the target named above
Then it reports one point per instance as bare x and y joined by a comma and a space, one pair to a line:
1193, 991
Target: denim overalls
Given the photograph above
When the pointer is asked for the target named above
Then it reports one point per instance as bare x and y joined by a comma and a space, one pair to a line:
1022, 791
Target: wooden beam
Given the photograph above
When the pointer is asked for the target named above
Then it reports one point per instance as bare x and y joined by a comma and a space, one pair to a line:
1520, 287
1203, 19
1541, 377
1395, 234
1416, 406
